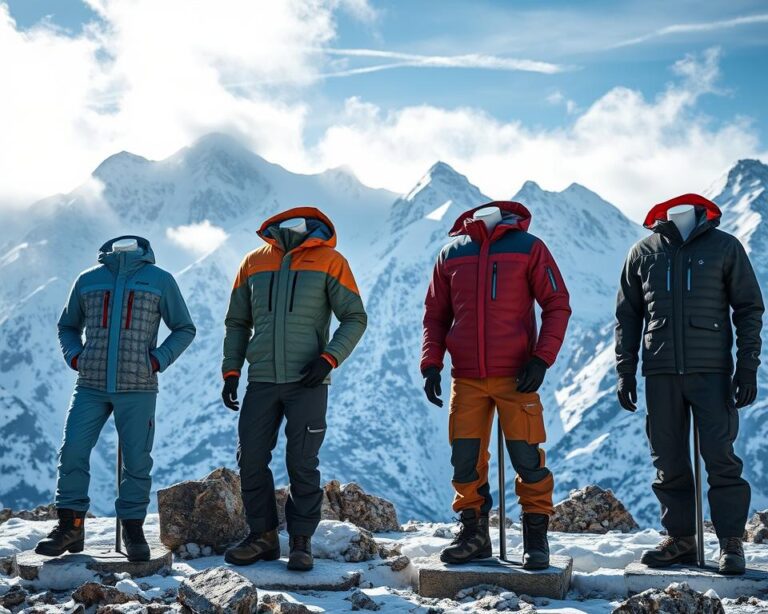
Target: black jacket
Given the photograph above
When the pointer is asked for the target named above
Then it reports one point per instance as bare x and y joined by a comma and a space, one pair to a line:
676, 297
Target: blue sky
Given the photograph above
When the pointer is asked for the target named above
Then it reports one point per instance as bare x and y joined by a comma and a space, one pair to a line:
592, 53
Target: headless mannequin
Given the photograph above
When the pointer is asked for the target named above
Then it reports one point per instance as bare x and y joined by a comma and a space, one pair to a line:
295, 224
292, 232
125, 245
684, 217
490, 216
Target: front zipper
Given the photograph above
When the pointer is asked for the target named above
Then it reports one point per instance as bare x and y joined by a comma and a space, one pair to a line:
129, 310
293, 291
677, 301
689, 275
493, 283
271, 284
552, 279
669, 274
105, 310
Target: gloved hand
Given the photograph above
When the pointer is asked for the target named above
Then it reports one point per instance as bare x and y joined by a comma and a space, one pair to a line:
155, 364
315, 372
744, 387
432, 385
532, 375
73, 364
229, 393
627, 391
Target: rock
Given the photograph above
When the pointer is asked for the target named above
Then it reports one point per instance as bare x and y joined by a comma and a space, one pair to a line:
93, 593
757, 528
343, 541
279, 604
361, 601
134, 607
218, 590
591, 510
491, 597
281, 495
493, 519
676, 598
41, 512
370, 512
207, 512
447, 532
13, 597
391, 550
411, 526
399, 563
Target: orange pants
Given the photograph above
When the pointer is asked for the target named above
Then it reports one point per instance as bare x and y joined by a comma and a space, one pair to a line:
473, 402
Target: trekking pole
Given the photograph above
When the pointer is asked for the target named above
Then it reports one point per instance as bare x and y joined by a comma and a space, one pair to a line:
500, 453
119, 476
699, 506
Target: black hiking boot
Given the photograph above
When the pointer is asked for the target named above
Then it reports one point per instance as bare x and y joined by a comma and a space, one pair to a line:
136, 547
535, 543
671, 551
255, 547
731, 557
300, 557
67, 535
472, 542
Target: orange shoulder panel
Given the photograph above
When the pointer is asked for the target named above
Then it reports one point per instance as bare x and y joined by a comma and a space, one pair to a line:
265, 258
329, 261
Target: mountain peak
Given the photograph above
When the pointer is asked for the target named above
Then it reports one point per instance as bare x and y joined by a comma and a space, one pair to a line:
119, 162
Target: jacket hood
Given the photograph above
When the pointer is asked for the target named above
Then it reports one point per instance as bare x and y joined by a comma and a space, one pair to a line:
320, 229
143, 254
704, 206
514, 216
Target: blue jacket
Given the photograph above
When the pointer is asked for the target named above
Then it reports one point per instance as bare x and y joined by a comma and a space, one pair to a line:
119, 305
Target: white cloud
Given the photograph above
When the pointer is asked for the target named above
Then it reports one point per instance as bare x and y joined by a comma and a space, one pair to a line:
632, 150
690, 28
200, 238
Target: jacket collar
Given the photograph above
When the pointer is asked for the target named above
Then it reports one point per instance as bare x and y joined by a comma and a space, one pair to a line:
707, 214
127, 262
320, 229
514, 216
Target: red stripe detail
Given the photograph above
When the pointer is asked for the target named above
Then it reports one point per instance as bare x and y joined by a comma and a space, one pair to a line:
105, 310
659, 212
229, 373
129, 310
330, 359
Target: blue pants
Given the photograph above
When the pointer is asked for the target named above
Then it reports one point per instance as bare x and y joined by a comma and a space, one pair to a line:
135, 421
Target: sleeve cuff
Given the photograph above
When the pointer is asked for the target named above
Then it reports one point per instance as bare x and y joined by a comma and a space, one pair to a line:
231, 374
334, 363
73, 362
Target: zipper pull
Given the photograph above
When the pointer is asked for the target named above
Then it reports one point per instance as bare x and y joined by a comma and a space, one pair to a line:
493, 283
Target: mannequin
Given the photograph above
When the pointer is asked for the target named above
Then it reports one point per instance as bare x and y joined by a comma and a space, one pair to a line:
125, 245
490, 216
295, 224
684, 217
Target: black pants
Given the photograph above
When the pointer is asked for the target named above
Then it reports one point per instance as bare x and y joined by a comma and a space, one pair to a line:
670, 400
262, 413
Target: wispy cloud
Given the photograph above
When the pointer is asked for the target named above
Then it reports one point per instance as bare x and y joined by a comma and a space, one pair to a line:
469, 60
689, 28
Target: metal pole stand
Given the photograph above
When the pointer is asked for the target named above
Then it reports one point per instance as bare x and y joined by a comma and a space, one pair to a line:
119, 476
501, 455
699, 505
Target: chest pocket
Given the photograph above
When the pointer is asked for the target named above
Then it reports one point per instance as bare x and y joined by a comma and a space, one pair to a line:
704, 272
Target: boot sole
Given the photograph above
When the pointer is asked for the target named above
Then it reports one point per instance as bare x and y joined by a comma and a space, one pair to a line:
294, 567
682, 560
536, 566
74, 548
271, 555
139, 558
483, 554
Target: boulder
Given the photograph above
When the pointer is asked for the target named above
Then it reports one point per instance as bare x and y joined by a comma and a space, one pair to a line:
218, 590
15, 595
207, 512
491, 597
675, 599
757, 528
281, 495
279, 604
591, 510
361, 601
343, 541
93, 593
352, 504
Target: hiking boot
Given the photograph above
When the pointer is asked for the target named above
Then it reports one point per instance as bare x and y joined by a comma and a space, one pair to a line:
136, 547
300, 557
255, 547
535, 544
67, 536
731, 557
670, 551
472, 542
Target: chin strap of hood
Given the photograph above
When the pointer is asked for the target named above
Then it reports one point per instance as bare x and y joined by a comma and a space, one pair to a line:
658, 213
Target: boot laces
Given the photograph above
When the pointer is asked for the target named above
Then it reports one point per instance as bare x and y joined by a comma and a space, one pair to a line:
666, 543
733, 545
301, 542
467, 530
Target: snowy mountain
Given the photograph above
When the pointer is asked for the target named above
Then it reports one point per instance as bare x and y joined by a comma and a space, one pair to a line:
382, 432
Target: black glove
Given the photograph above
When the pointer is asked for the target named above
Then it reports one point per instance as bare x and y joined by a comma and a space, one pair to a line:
432, 385
315, 372
744, 387
229, 393
532, 375
627, 391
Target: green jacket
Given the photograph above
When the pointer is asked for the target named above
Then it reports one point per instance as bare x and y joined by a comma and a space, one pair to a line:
285, 291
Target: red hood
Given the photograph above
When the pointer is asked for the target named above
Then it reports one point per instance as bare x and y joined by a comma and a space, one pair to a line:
321, 232
658, 213
514, 216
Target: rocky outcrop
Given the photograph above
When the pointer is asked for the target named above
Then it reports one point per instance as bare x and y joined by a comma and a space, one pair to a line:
757, 528
93, 593
591, 510
41, 512
675, 599
218, 590
207, 512
352, 504
281, 495
343, 541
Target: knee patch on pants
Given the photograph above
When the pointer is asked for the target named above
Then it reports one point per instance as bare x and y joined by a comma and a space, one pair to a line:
528, 460
465, 454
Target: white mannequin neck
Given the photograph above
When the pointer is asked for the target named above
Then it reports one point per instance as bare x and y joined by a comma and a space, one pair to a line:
684, 217
295, 224
125, 245
490, 216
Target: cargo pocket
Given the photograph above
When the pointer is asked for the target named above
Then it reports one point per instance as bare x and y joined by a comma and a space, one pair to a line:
150, 436
313, 439
707, 323
148, 362
533, 413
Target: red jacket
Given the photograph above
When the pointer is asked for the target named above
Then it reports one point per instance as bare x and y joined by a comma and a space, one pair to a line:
479, 305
